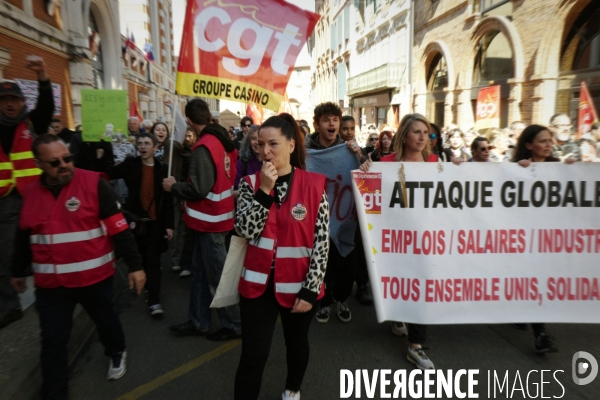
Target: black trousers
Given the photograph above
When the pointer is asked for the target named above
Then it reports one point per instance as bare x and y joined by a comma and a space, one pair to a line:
258, 323
55, 308
361, 274
417, 333
149, 248
339, 276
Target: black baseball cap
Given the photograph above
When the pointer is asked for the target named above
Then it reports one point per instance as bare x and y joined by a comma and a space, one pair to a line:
10, 89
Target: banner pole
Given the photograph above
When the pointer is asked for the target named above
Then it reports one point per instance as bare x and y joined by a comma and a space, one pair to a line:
172, 139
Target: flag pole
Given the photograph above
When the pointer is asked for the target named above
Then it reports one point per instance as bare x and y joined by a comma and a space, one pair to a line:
172, 139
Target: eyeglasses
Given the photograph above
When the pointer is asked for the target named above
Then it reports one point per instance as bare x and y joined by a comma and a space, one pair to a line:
247, 125
432, 136
56, 163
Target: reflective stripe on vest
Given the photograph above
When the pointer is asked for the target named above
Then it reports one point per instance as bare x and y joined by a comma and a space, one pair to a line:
73, 267
218, 197
254, 277
24, 155
20, 173
206, 217
66, 237
263, 243
291, 288
293, 252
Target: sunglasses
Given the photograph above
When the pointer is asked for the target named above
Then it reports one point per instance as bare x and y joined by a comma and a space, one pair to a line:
432, 136
247, 125
373, 139
56, 163
489, 148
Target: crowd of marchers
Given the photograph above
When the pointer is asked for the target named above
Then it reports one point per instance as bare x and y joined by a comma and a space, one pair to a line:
69, 209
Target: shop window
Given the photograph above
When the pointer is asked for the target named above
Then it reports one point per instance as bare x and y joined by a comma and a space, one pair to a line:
437, 77
583, 40
489, 5
494, 58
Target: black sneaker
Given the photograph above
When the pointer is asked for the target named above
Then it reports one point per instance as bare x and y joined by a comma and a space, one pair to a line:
522, 327
544, 344
322, 315
363, 294
343, 312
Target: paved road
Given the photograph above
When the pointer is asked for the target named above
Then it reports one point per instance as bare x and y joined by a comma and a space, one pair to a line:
161, 366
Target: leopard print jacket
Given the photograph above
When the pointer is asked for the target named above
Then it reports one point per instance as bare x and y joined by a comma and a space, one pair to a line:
251, 217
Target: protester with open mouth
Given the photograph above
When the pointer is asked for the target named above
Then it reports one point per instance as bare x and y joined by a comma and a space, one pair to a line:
153, 206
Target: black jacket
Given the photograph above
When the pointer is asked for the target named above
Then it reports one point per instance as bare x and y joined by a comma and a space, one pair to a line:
130, 171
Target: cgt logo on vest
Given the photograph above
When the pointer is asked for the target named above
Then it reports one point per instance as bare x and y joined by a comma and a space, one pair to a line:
227, 166
299, 212
73, 204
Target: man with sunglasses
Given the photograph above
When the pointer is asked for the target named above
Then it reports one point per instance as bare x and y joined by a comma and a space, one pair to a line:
480, 149
69, 226
18, 126
246, 124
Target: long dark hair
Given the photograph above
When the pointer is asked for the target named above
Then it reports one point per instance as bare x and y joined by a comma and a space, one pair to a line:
166, 126
527, 137
290, 129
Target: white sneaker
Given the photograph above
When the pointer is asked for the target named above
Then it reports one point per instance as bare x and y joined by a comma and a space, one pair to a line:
185, 273
289, 395
117, 366
176, 268
399, 328
419, 358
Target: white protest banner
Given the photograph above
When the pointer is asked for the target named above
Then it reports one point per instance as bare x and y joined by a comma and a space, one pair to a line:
30, 91
482, 242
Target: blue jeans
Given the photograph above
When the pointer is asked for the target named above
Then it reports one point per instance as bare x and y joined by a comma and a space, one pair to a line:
207, 267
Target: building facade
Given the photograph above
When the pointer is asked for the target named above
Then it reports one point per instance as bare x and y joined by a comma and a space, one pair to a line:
361, 55
62, 33
537, 51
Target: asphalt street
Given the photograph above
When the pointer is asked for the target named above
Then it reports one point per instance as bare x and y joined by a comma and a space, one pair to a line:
161, 366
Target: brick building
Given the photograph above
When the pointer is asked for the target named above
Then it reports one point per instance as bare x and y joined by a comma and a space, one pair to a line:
538, 51
61, 32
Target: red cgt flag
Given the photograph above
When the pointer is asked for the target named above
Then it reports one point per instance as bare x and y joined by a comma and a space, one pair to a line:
241, 50
587, 113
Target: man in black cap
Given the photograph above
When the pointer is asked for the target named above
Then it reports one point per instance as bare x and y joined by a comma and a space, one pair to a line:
18, 126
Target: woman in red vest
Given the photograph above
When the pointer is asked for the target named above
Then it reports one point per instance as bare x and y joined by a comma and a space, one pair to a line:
283, 213
411, 144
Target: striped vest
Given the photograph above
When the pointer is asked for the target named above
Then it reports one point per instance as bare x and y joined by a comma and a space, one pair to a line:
287, 238
17, 169
69, 244
215, 212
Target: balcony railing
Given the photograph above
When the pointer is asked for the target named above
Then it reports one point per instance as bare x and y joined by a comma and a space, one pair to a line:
385, 76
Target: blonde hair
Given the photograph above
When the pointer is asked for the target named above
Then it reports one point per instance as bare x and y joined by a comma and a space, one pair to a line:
405, 125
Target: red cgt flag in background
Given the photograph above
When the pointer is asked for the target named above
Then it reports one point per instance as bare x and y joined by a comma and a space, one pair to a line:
241, 50
488, 108
134, 111
257, 113
587, 113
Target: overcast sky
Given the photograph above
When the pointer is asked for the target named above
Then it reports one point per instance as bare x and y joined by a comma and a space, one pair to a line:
179, 15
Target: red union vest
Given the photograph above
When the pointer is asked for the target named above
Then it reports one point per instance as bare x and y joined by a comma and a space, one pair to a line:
215, 212
289, 236
68, 241
18, 168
